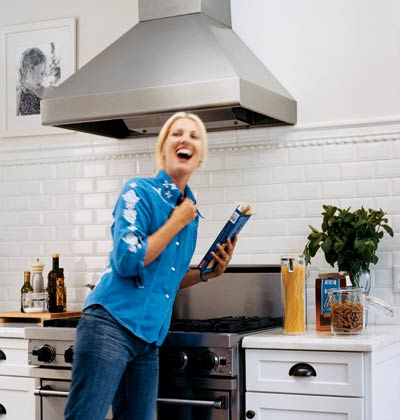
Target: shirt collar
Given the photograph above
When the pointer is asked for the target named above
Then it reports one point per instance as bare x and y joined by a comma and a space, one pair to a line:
170, 191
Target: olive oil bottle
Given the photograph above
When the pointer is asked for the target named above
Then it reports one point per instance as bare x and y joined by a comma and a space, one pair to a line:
55, 287
26, 288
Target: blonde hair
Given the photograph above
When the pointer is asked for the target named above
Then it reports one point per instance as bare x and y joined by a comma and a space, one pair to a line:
162, 136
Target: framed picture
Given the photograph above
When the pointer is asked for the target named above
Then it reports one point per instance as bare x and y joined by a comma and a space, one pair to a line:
35, 58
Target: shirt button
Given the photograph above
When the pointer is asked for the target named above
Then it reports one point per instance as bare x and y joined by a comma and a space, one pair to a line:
177, 243
173, 268
167, 296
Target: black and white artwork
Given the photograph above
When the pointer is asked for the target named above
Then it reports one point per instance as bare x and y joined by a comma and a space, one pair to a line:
35, 59
39, 71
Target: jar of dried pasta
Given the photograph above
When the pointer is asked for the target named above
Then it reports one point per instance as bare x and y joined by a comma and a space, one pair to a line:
293, 278
347, 311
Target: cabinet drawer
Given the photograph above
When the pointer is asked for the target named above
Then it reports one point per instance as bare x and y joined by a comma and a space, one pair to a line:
13, 351
302, 407
336, 373
17, 400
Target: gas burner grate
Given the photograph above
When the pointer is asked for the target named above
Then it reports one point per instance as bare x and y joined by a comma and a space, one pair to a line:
227, 324
62, 322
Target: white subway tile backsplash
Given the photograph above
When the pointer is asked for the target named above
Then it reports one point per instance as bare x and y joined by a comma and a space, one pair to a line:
41, 233
68, 233
339, 153
56, 187
304, 191
356, 170
305, 155
83, 217
55, 218
224, 178
67, 202
239, 161
67, 170
94, 201
82, 186
283, 174
374, 151
322, 172
108, 185
67, 206
373, 188
41, 202
387, 168
97, 169
83, 248
239, 194
338, 189
95, 232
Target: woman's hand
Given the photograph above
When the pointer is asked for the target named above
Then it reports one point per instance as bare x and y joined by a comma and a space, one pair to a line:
184, 213
223, 256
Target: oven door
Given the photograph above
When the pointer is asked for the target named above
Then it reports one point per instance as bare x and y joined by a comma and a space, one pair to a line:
53, 396
183, 400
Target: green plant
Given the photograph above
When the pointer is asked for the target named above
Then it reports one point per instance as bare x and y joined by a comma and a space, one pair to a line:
348, 238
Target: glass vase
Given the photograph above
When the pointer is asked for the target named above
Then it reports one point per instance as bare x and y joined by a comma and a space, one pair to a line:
347, 311
293, 276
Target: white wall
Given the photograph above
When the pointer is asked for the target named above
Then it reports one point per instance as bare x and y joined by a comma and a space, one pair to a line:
340, 60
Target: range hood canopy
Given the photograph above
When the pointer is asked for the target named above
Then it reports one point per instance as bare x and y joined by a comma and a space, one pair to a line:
181, 56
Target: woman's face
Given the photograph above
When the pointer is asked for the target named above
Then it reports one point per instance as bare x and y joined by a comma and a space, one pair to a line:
182, 150
35, 76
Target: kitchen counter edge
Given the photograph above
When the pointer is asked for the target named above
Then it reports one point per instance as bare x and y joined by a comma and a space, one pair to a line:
374, 338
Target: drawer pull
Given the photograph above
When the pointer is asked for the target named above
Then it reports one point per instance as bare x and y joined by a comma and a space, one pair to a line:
2, 355
302, 369
250, 414
3, 409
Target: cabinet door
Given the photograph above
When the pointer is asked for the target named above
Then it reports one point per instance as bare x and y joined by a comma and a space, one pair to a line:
16, 398
266, 406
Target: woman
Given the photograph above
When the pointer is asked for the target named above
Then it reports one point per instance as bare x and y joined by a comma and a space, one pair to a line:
127, 316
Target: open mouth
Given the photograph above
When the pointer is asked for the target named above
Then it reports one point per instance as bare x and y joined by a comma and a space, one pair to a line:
184, 154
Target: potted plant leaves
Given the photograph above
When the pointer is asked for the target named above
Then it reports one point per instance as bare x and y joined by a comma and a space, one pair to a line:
349, 241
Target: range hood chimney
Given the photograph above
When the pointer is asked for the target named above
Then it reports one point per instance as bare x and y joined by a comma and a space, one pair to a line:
182, 55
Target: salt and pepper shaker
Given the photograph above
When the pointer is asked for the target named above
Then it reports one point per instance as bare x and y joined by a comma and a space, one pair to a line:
37, 277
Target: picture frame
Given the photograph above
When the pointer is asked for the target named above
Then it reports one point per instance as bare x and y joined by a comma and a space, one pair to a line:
35, 58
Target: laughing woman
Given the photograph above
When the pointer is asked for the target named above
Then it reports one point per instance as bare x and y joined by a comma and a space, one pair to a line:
126, 317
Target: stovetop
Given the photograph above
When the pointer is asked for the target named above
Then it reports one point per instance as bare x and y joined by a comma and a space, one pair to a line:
227, 324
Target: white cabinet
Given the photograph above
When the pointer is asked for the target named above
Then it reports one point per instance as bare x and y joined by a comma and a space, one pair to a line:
17, 400
317, 382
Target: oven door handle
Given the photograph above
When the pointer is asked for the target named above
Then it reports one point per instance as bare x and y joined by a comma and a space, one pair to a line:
47, 391
219, 403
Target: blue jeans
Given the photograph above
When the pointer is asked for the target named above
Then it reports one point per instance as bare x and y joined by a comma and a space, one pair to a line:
111, 366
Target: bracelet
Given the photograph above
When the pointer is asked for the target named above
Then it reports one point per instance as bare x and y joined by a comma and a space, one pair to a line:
202, 278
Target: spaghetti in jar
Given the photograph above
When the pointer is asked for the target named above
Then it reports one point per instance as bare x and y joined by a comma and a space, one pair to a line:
293, 277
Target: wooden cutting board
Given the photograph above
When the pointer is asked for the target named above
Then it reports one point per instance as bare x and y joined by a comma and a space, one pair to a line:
37, 317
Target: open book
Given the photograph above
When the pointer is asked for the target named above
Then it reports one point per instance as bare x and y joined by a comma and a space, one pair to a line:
232, 227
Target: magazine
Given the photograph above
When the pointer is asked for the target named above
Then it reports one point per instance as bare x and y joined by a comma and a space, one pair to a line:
232, 227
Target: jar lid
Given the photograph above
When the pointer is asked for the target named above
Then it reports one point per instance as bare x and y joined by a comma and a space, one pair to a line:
37, 267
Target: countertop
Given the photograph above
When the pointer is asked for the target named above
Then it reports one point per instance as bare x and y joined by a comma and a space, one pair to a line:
15, 329
374, 338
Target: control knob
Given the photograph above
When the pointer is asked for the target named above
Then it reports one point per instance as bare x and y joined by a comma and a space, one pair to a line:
208, 360
69, 354
45, 353
179, 359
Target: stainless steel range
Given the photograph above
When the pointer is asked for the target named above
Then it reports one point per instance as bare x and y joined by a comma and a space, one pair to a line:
201, 361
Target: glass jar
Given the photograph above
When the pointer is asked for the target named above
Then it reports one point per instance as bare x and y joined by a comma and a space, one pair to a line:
293, 277
347, 311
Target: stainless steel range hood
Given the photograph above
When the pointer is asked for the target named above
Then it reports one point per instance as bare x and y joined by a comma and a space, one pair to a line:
182, 55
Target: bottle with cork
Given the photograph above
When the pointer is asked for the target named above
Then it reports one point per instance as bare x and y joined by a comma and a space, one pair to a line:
56, 287
26, 290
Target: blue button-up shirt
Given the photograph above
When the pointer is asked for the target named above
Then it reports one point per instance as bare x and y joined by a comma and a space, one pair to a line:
141, 297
